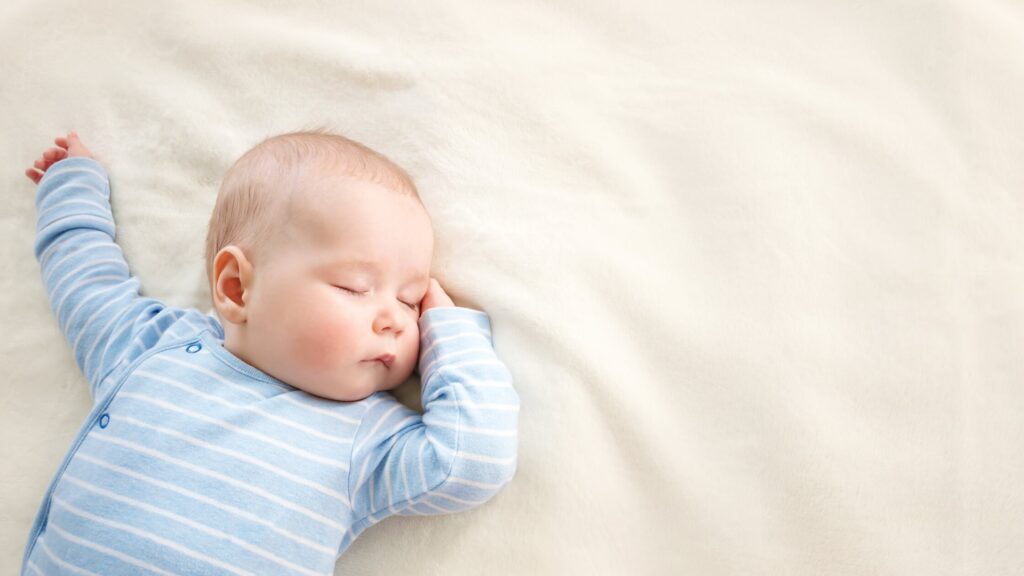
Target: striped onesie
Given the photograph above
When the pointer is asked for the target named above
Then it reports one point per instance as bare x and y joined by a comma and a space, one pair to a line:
195, 462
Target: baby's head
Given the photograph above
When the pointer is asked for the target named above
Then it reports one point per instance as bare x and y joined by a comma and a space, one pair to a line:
318, 255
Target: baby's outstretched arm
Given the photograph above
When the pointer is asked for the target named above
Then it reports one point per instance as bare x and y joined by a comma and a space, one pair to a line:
91, 291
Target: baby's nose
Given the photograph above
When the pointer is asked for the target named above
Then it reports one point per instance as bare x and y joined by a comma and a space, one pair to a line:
389, 318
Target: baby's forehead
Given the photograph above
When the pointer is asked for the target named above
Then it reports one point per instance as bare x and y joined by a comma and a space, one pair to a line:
329, 194
329, 202
355, 224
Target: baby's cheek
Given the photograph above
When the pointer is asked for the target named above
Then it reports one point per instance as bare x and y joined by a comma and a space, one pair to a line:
411, 346
321, 344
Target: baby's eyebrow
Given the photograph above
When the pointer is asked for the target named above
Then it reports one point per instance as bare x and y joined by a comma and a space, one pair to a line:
373, 266
366, 264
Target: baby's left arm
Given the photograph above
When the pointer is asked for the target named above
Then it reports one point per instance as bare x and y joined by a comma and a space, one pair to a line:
462, 449
91, 291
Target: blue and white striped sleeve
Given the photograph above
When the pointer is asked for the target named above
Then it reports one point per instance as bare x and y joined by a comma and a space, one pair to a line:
462, 449
96, 301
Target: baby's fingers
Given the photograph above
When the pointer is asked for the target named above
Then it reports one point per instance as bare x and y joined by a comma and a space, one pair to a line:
34, 175
49, 157
54, 154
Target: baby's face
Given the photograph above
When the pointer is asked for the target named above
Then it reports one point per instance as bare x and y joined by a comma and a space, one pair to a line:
342, 288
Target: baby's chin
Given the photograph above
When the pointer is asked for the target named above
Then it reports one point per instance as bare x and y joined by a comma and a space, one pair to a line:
355, 393
339, 394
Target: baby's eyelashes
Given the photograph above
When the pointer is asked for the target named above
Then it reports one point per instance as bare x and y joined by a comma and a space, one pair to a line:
413, 306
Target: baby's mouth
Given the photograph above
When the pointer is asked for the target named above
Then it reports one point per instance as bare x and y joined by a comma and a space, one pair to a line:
385, 360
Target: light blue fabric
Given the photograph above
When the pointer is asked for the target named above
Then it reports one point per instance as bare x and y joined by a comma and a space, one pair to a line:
194, 462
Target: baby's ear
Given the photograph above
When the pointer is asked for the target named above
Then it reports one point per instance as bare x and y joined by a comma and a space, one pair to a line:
232, 277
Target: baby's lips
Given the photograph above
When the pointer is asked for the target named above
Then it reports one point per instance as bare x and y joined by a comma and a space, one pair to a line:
386, 359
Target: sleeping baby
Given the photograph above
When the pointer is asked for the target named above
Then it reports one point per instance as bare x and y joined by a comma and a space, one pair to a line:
261, 439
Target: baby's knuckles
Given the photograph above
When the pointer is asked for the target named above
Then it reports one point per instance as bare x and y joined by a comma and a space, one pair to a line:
436, 297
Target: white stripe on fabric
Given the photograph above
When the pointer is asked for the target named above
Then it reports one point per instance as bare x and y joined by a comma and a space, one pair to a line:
476, 327
405, 470
112, 339
50, 271
362, 472
54, 173
243, 457
379, 423
401, 424
102, 331
60, 223
63, 564
480, 485
371, 486
475, 457
139, 340
92, 265
44, 258
193, 367
472, 430
346, 419
473, 406
430, 365
387, 479
165, 542
474, 384
93, 280
101, 549
223, 478
57, 195
188, 322
487, 362
425, 352
454, 499
44, 215
210, 502
263, 438
85, 326
192, 524
419, 458
245, 408
436, 507
412, 508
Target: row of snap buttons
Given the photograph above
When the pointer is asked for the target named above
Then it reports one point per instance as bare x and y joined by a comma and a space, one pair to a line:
192, 348
104, 419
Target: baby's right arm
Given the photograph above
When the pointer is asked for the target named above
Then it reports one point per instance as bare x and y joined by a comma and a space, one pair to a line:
462, 450
96, 301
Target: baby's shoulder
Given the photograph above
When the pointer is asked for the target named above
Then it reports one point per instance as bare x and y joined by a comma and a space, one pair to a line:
185, 323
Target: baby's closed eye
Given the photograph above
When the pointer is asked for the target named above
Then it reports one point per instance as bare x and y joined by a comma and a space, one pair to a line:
413, 305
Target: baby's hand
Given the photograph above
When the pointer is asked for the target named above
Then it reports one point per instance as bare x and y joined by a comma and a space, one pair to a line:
69, 147
436, 297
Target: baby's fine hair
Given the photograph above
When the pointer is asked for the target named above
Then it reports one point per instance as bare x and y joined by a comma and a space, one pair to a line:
257, 189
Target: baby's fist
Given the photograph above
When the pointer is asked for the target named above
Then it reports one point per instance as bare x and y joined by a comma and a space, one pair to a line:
436, 297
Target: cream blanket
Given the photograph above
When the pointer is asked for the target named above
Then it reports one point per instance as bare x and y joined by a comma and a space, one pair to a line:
757, 267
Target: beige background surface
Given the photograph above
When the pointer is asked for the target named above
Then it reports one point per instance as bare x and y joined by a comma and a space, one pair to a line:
757, 267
